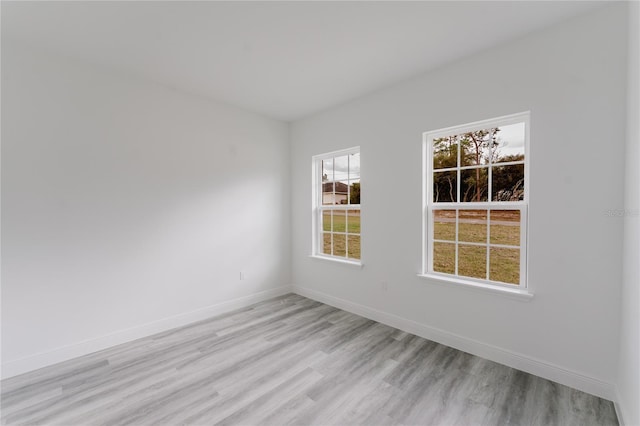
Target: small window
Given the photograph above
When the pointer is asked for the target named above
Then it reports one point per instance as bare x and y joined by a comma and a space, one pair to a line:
475, 202
336, 209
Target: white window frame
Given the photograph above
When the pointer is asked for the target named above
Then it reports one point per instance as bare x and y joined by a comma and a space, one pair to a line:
318, 208
429, 207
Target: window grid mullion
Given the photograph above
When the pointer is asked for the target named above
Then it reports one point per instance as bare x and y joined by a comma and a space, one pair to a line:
320, 212
507, 246
483, 166
458, 185
489, 172
331, 232
458, 174
333, 201
319, 231
346, 231
473, 205
488, 240
348, 180
489, 198
334, 183
524, 212
457, 245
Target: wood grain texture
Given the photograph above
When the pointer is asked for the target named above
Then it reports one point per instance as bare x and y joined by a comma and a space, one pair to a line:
291, 361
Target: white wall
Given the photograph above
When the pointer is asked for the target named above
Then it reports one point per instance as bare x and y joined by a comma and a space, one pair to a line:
126, 204
629, 368
572, 79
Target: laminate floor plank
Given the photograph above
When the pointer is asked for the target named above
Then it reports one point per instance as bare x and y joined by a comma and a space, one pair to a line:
287, 412
270, 401
290, 361
234, 398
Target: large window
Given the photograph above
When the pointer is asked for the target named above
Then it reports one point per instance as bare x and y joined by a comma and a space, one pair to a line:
336, 205
475, 202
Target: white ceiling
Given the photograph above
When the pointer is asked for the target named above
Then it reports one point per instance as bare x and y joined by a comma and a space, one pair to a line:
285, 60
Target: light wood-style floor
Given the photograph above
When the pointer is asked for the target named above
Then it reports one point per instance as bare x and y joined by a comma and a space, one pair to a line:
291, 360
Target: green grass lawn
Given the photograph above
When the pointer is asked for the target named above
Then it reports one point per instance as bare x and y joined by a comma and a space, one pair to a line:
504, 229
477, 233
340, 243
504, 263
343, 221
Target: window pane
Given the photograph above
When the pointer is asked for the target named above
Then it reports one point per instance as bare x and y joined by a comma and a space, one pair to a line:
474, 185
354, 191
445, 152
353, 221
476, 147
472, 261
354, 246
326, 220
472, 226
327, 193
505, 227
339, 221
508, 183
354, 166
444, 187
339, 245
342, 193
326, 243
510, 143
444, 225
341, 167
504, 265
327, 170
444, 257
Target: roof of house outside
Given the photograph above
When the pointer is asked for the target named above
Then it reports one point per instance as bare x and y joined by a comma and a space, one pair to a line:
341, 188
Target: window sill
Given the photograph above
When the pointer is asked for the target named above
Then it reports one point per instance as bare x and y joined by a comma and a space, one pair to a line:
518, 294
354, 263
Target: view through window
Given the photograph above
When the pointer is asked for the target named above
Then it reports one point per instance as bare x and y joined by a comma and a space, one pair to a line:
337, 204
476, 201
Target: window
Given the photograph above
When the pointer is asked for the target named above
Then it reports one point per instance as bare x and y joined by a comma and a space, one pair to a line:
476, 190
336, 205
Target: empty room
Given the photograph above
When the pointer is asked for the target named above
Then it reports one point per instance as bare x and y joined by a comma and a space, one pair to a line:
320, 213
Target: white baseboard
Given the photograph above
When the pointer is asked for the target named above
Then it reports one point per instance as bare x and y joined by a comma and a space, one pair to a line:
64, 353
503, 356
621, 409
619, 413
